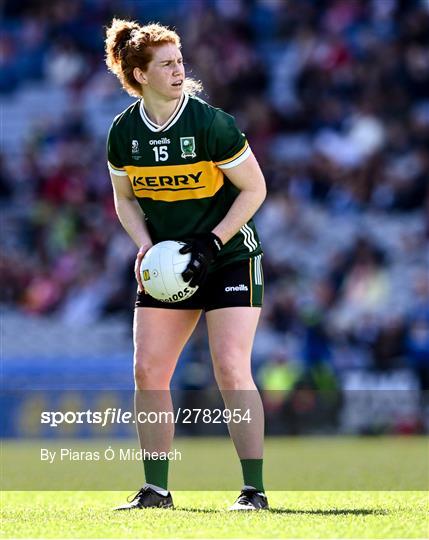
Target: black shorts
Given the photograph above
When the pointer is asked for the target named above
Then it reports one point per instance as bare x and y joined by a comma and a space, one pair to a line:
237, 284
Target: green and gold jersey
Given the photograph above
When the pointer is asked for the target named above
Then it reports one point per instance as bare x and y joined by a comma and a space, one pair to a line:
176, 171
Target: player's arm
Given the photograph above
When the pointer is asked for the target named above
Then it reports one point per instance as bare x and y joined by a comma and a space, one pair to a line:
128, 210
131, 217
248, 178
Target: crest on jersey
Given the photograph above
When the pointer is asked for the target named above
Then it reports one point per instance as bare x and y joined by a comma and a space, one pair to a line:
134, 146
187, 145
135, 149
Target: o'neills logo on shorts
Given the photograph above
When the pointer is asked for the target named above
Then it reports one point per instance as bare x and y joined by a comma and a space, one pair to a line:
237, 288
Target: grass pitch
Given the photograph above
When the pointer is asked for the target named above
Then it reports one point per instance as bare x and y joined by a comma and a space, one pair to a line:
292, 464
349, 472
302, 514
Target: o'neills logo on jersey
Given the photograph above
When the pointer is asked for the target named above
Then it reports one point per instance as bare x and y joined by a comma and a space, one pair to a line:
167, 183
164, 140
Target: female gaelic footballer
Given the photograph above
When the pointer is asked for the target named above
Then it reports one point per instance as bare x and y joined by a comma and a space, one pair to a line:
182, 170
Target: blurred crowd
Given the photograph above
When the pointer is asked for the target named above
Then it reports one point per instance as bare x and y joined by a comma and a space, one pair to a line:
334, 98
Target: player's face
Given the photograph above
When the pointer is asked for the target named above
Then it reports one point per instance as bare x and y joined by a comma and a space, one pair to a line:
165, 74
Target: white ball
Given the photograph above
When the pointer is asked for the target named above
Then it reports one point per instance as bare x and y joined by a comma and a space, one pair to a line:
161, 272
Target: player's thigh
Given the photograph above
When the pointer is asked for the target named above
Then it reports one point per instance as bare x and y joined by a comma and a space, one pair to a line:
160, 334
231, 334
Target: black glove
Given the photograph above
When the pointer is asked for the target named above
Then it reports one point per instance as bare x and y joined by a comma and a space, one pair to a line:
203, 249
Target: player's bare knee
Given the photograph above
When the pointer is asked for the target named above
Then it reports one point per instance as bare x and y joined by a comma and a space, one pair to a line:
230, 376
148, 376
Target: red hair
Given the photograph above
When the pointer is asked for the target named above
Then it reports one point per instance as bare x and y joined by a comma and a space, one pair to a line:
129, 45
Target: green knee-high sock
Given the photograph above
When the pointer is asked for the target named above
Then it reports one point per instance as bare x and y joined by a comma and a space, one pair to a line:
156, 472
252, 473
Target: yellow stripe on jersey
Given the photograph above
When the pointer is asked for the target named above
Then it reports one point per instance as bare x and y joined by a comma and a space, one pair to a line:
235, 156
172, 183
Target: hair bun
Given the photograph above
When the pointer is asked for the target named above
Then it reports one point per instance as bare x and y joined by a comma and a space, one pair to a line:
120, 33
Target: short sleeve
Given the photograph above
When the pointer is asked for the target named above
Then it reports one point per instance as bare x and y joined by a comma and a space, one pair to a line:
113, 154
227, 145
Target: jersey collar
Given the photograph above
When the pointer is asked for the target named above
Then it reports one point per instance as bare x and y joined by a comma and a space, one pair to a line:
173, 118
